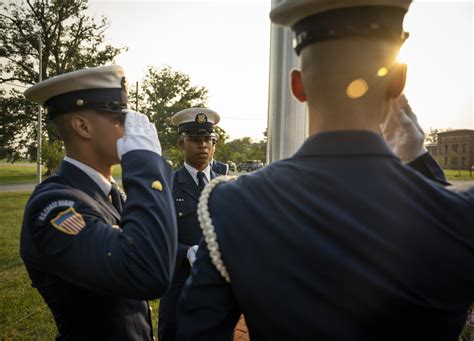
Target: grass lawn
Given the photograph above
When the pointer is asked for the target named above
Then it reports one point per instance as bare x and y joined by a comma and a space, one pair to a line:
463, 175
24, 172
23, 313
19, 173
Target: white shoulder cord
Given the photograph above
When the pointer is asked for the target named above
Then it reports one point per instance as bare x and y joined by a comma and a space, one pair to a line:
207, 228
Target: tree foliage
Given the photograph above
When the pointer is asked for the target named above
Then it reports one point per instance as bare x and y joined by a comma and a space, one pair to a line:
52, 154
431, 136
163, 93
70, 40
240, 150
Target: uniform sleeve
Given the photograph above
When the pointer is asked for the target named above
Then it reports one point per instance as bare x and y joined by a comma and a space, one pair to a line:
207, 309
135, 259
426, 165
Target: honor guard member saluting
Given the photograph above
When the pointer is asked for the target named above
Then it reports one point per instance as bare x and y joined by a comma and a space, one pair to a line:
341, 241
197, 139
94, 257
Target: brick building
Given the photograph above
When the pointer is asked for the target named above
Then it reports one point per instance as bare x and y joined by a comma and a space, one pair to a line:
455, 149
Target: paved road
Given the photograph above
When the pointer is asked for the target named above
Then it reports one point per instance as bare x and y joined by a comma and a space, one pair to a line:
30, 186
17, 187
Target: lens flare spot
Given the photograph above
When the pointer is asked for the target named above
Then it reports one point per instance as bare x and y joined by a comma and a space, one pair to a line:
382, 72
357, 88
402, 56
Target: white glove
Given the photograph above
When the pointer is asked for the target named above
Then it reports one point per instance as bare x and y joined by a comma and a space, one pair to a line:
401, 131
140, 134
191, 254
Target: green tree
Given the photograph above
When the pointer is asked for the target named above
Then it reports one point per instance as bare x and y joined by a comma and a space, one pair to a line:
453, 160
243, 149
163, 93
52, 154
70, 39
440, 161
431, 136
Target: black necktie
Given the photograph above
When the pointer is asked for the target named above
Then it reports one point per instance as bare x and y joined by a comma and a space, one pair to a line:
201, 183
116, 197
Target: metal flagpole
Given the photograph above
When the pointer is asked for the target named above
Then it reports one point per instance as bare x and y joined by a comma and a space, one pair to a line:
38, 151
136, 97
287, 118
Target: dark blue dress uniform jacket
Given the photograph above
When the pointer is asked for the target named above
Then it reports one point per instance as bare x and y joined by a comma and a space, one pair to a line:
186, 196
96, 282
339, 242
220, 167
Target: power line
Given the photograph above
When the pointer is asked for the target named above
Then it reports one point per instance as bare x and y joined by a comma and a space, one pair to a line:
243, 118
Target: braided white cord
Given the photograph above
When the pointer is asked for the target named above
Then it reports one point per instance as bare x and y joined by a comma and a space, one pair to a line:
207, 228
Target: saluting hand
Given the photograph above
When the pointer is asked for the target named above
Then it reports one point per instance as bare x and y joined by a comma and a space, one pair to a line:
401, 131
140, 134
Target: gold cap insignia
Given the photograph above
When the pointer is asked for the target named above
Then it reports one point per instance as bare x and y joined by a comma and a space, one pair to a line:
157, 185
201, 118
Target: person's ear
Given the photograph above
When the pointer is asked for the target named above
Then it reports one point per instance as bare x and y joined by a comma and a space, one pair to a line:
181, 144
397, 80
82, 125
297, 85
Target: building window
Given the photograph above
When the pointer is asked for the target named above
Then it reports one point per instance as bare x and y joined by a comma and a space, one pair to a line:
463, 160
446, 149
455, 148
464, 148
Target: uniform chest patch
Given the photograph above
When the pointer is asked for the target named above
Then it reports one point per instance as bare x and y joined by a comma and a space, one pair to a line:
69, 221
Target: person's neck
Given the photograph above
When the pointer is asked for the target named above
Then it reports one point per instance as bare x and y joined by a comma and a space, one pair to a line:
198, 167
320, 128
94, 163
327, 123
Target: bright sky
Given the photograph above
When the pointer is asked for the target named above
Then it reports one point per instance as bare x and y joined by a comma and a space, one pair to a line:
224, 46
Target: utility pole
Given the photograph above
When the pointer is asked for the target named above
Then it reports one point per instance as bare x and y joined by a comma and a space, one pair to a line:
40, 78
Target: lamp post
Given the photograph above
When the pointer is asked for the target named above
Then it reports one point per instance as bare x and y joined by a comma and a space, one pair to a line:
38, 151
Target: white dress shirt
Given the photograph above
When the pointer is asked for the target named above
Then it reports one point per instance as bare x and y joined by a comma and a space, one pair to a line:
193, 171
103, 183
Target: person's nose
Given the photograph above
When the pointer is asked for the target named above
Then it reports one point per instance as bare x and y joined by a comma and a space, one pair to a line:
202, 144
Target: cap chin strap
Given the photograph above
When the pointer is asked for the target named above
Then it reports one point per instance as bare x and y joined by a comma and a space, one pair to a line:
207, 228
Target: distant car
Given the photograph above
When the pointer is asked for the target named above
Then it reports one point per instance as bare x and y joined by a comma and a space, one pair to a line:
232, 166
249, 165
